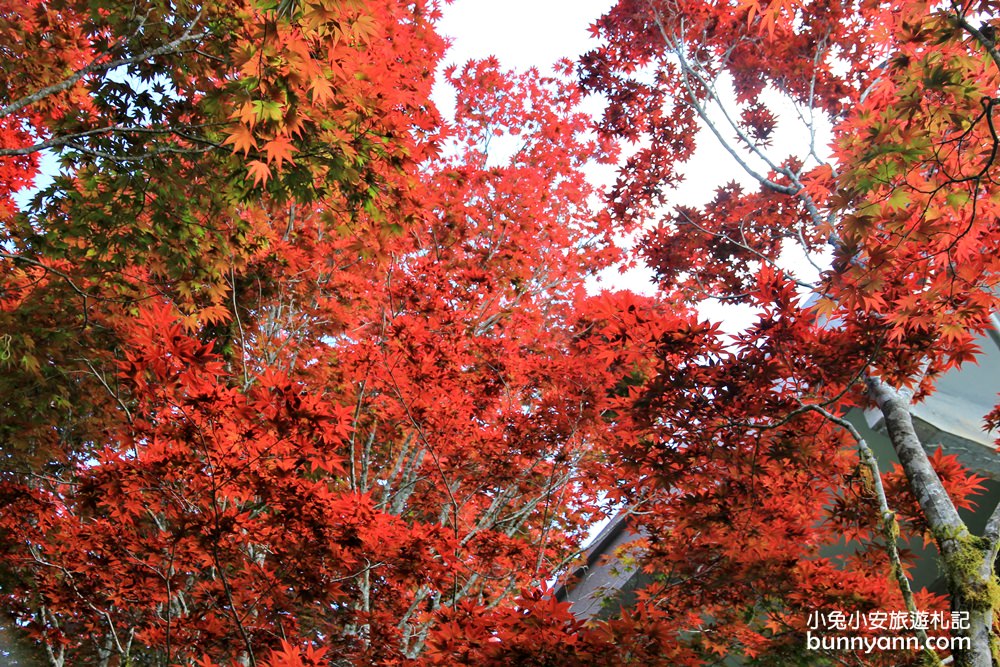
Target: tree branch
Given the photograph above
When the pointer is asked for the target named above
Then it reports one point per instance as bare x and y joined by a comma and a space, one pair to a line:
890, 527
933, 498
987, 43
96, 67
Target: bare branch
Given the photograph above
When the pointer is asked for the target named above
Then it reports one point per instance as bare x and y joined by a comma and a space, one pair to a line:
890, 527
114, 394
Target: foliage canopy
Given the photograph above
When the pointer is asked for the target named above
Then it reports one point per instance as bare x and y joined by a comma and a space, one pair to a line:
296, 372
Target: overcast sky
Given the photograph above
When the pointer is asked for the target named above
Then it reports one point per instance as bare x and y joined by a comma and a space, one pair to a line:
522, 33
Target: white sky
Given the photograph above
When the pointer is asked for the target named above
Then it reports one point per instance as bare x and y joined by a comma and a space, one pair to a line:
522, 33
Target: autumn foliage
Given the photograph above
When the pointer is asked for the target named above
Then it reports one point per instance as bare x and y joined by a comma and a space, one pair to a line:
297, 372
744, 470
290, 362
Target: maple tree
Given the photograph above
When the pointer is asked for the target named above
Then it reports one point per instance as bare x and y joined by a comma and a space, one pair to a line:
143, 104
743, 468
296, 372
291, 364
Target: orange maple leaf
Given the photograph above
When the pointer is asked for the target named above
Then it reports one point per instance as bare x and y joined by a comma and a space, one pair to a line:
364, 28
279, 150
215, 315
246, 114
242, 139
322, 89
259, 171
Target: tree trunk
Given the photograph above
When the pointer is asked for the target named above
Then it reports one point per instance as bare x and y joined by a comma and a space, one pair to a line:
966, 559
